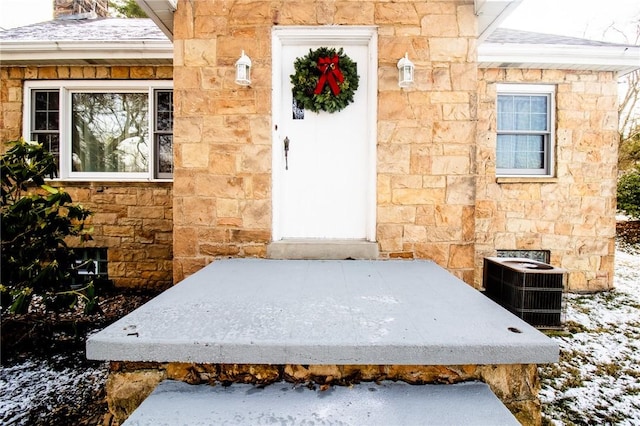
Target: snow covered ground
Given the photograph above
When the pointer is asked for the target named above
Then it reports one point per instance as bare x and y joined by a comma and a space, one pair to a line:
598, 378
596, 382
46, 392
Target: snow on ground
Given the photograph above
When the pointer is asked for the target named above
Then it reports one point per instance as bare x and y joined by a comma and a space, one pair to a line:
35, 389
596, 382
598, 378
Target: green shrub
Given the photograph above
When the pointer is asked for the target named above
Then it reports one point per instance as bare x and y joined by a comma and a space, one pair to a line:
36, 221
629, 193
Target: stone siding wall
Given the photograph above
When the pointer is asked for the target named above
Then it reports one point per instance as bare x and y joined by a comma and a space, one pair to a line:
516, 385
572, 214
133, 220
426, 134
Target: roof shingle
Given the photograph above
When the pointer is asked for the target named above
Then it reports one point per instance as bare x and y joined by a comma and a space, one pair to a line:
510, 36
101, 29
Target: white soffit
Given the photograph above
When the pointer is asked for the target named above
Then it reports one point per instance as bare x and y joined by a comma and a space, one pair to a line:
491, 13
160, 12
19, 52
622, 59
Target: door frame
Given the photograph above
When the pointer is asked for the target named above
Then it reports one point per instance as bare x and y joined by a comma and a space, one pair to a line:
304, 35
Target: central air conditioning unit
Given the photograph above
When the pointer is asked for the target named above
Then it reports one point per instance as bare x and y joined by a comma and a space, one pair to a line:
531, 290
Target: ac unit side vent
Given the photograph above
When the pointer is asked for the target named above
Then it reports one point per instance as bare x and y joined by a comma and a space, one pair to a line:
529, 289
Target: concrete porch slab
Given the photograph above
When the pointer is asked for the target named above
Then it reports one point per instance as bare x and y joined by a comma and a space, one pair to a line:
259, 311
172, 403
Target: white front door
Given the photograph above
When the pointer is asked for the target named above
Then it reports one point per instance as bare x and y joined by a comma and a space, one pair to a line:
325, 189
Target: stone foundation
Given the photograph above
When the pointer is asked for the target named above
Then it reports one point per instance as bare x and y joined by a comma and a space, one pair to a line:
515, 385
133, 220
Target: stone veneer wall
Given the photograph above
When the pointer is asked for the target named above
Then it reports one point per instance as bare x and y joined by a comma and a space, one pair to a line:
572, 214
133, 220
129, 383
426, 134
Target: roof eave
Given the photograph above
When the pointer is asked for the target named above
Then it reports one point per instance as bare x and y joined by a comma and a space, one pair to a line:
56, 52
161, 13
491, 13
621, 59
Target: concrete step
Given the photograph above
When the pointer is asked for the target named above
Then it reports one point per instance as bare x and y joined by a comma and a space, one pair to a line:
387, 403
257, 311
314, 249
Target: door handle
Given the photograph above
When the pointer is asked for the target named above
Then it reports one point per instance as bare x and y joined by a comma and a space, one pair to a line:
286, 153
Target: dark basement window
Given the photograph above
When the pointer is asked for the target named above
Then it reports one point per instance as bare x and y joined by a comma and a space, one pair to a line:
91, 264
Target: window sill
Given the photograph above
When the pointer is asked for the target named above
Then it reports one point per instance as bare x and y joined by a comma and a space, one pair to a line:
526, 179
99, 182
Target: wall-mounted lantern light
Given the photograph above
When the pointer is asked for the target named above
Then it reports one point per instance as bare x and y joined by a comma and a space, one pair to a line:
243, 70
405, 71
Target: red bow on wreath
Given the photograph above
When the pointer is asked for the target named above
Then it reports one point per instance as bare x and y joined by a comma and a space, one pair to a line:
329, 73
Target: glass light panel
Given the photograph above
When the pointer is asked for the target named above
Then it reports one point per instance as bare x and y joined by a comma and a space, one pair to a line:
47, 111
110, 132
408, 75
40, 120
506, 116
523, 112
520, 152
164, 110
165, 153
45, 123
505, 151
50, 141
164, 133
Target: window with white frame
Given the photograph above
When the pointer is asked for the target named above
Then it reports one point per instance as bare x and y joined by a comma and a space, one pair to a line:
103, 130
525, 130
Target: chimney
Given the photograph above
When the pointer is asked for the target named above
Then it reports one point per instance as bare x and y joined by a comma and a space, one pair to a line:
80, 9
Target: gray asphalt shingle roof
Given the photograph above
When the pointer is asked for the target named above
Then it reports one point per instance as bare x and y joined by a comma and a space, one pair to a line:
122, 29
508, 48
101, 29
510, 36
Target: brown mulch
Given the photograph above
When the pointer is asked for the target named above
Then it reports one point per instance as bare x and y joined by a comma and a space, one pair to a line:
59, 338
42, 333
628, 232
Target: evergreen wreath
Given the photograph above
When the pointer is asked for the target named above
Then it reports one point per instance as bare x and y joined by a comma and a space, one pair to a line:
324, 80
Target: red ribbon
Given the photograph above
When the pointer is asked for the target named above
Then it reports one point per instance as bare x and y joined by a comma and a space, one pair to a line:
329, 73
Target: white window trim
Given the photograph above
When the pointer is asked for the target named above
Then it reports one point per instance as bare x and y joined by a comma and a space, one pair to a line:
533, 89
66, 87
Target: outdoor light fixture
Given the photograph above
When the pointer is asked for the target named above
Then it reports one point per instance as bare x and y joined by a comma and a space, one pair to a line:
243, 70
405, 71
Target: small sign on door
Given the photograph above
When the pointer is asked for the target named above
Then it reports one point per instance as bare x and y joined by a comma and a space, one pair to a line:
298, 110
